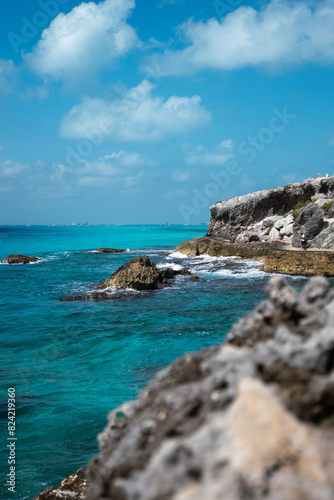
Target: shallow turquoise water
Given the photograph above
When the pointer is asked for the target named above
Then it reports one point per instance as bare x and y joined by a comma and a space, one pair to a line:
72, 362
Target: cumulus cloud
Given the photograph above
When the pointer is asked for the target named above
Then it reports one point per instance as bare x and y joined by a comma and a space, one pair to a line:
8, 74
86, 39
281, 33
135, 116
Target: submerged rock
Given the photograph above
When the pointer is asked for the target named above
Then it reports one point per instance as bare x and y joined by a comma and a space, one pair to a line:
252, 418
19, 259
110, 250
95, 296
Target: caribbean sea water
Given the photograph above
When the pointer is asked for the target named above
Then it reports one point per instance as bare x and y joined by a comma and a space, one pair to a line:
72, 362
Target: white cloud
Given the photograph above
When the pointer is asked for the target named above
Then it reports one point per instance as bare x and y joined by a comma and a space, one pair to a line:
228, 144
122, 169
9, 168
218, 156
281, 33
8, 73
135, 116
178, 193
86, 39
179, 176
91, 181
331, 142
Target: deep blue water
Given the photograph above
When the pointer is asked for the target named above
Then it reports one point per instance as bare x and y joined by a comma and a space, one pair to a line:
73, 362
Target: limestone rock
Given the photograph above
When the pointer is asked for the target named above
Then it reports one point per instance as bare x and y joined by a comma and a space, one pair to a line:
19, 259
287, 231
274, 235
252, 418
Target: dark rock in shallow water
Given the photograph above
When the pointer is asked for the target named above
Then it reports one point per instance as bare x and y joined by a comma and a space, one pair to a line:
110, 250
95, 296
19, 259
140, 274
252, 418
194, 277
74, 488
171, 273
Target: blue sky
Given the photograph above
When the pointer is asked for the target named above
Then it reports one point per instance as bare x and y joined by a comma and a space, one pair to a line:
147, 111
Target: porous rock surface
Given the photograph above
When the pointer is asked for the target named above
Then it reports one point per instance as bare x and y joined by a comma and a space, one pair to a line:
252, 418
269, 215
19, 259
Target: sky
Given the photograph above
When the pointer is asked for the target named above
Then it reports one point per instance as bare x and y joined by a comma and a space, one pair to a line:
150, 111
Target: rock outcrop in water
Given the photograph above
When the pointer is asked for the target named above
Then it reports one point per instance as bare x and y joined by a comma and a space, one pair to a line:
252, 418
139, 274
19, 259
279, 215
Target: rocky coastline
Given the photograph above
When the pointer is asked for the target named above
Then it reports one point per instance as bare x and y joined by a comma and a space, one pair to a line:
267, 225
250, 418
272, 258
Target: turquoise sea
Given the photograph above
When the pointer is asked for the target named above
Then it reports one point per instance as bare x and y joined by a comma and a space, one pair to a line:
72, 362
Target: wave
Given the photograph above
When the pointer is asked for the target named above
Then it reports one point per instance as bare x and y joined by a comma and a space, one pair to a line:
206, 265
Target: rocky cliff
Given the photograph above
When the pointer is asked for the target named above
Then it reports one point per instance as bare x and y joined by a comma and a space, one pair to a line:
279, 215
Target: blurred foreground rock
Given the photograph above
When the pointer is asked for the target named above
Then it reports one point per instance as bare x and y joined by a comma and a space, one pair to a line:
252, 418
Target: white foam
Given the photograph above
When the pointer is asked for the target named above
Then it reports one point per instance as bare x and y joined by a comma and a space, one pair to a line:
39, 261
177, 255
171, 265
